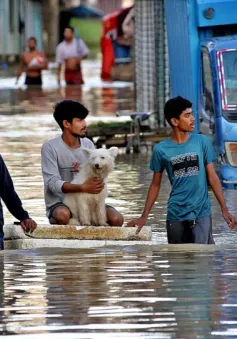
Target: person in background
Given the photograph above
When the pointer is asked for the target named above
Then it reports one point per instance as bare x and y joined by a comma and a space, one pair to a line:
71, 52
12, 202
34, 61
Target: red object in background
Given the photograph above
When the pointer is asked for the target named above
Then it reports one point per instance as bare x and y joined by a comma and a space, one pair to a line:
112, 28
107, 58
74, 77
109, 23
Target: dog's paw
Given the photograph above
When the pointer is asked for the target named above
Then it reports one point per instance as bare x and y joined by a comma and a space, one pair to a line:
102, 224
85, 223
74, 222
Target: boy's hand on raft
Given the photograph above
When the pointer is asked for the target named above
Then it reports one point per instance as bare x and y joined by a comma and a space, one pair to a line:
139, 223
28, 225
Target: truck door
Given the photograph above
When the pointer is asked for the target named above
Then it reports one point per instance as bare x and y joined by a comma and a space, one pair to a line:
207, 118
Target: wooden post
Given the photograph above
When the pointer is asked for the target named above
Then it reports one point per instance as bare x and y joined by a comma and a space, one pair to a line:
51, 26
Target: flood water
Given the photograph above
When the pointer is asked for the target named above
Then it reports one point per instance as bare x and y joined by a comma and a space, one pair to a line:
130, 292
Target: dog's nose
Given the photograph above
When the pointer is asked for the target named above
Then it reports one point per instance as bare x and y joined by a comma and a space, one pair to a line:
97, 166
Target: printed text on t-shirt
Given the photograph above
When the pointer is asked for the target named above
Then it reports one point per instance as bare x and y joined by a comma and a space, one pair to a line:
185, 165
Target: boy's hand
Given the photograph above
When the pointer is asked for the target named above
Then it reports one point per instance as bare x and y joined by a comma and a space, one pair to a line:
230, 219
28, 225
140, 222
75, 166
93, 186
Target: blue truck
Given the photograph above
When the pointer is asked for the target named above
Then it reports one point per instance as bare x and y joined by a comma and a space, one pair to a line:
202, 45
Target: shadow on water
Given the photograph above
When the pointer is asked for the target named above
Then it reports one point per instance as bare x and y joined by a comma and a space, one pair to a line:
106, 293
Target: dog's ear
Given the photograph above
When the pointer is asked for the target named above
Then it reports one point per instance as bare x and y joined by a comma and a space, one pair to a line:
113, 151
86, 152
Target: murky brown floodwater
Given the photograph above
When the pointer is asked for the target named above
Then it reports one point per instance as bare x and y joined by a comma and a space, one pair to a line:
106, 293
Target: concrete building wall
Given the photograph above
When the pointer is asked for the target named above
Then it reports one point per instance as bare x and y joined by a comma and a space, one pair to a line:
34, 21
19, 19
10, 41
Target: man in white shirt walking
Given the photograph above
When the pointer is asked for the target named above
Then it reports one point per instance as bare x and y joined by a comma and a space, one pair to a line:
71, 52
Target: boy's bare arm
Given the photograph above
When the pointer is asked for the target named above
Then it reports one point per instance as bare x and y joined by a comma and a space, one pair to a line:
217, 189
46, 64
150, 200
21, 67
59, 73
92, 185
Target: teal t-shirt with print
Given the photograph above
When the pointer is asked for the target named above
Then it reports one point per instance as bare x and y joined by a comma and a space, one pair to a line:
185, 165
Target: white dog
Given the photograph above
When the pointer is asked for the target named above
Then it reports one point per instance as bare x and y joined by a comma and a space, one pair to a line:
87, 208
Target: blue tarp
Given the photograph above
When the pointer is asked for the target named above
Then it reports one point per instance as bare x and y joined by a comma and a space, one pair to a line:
85, 12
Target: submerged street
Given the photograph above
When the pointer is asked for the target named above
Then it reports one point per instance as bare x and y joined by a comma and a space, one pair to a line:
111, 292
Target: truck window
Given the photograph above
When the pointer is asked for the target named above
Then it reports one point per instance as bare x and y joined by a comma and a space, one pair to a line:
208, 100
230, 76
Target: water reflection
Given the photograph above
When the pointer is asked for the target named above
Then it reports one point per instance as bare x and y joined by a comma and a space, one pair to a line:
100, 102
119, 293
101, 98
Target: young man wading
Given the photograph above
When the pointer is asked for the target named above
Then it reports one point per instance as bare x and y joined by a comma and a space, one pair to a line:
34, 62
71, 52
188, 160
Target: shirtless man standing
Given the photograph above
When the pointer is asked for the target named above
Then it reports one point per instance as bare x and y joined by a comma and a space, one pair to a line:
71, 52
34, 61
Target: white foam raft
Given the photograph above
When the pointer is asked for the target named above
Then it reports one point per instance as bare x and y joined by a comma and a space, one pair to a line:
74, 236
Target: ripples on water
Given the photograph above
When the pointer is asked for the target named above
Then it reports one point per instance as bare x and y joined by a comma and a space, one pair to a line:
110, 293
106, 293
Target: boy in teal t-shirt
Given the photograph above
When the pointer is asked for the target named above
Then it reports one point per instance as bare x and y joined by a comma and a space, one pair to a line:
188, 160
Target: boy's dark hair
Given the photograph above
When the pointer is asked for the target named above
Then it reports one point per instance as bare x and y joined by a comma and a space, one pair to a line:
70, 27
67, 110
174, 107
33, 38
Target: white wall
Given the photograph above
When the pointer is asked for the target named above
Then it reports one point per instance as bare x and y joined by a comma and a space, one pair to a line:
34, 21
9, 40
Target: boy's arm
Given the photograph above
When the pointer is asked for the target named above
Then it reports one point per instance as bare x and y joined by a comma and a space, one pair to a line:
21, 68
59, 74
11, 199
150, 200
217, 189
46, 61
84, 50
60, 61
92, 185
